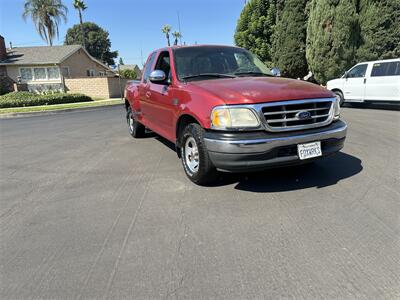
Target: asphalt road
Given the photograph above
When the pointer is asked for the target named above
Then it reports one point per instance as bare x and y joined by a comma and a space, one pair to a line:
89, 212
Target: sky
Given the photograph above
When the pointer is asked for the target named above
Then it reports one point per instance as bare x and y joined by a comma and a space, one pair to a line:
134, 25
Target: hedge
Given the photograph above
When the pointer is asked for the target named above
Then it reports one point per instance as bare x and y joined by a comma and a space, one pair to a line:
20, 99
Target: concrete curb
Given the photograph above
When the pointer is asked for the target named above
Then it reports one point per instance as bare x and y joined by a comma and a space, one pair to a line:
53, 112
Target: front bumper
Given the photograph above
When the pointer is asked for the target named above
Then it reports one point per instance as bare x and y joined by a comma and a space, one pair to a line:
252, 151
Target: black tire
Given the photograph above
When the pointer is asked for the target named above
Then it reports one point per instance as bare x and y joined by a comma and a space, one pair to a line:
136, 129
206, 172
339, 95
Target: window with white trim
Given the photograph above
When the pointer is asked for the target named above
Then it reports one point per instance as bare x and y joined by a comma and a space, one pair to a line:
26, 74
39, 73
53, 73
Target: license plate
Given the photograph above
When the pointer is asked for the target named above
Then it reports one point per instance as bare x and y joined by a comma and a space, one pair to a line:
309, 150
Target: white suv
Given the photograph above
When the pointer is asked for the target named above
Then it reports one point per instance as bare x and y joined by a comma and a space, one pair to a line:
374, 81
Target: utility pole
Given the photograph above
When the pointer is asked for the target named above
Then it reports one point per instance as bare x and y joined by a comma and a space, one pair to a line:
179, 27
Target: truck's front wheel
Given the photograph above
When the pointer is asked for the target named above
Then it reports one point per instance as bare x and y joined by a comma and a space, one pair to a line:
195, 160
136, 129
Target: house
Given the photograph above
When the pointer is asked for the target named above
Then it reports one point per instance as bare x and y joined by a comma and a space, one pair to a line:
65, 68
132, 67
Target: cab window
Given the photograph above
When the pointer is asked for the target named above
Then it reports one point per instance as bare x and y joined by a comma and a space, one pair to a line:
357, 71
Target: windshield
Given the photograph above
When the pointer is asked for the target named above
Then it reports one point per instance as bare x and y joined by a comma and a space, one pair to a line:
210, 62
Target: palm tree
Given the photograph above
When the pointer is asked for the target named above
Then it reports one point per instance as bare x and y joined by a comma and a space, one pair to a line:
46, 15
166, 29
80, 6
177, 35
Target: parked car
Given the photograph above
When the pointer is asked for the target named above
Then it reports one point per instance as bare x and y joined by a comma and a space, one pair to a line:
373, 81
224, 111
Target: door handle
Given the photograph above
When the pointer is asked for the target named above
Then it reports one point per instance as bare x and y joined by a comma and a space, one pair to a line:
365, 80
148, 94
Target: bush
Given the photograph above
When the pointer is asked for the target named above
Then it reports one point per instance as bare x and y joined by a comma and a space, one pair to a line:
20, 99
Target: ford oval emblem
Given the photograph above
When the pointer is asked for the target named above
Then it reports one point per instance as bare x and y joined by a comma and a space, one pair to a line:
303, 115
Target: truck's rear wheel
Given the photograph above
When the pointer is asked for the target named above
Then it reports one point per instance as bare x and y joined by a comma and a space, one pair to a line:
136, 129
194, 156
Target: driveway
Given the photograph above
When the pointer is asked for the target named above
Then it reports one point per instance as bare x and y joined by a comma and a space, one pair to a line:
89, 212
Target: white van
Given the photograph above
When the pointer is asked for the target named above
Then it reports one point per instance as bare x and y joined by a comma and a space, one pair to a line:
374, 81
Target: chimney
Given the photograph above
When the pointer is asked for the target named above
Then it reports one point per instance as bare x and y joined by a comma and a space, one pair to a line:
3, 51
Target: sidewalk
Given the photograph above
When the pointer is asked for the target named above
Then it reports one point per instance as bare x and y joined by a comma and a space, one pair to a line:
18, 111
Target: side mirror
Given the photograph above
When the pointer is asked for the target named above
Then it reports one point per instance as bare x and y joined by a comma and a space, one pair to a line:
346, 74
157, 76
276, 72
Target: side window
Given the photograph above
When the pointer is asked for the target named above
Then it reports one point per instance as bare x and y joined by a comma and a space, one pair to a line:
380, 69
394, 68
147, 69
163, 64
358, 71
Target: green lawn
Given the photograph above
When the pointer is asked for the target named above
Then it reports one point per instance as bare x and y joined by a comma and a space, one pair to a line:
59, 106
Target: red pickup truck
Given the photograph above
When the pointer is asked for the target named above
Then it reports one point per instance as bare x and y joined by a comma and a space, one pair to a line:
224, 111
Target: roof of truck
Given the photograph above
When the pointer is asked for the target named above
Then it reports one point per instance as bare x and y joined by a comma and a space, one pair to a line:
194, 46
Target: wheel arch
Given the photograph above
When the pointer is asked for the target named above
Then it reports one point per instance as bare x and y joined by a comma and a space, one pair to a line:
337, 90
182, 122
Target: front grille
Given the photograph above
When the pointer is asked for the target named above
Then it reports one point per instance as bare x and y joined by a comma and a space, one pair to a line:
298, 115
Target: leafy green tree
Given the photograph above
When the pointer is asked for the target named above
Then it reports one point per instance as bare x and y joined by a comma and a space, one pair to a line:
46, 15
80, 6
166, 30
128, 74
98, 43
121, 61
255, 27
380, 29
332, 37
289, 39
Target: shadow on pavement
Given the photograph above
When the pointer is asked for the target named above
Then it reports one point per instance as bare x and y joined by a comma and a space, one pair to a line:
325, 172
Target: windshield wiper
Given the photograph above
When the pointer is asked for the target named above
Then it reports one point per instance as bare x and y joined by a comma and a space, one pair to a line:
213, 75
253, 74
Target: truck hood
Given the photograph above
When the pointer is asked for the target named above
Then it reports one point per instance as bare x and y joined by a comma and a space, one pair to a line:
250, 90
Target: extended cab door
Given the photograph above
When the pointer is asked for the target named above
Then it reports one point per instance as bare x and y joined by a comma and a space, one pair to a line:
384, 82
162, 106
354, 83
144, 115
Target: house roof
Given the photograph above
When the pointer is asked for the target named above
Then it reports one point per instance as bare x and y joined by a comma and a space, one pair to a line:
39, 55
43, 55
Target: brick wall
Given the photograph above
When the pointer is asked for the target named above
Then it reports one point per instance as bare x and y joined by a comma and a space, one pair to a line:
98, 87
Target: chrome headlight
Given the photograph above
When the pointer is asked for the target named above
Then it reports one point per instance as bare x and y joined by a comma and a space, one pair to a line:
233, 117
336, 109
